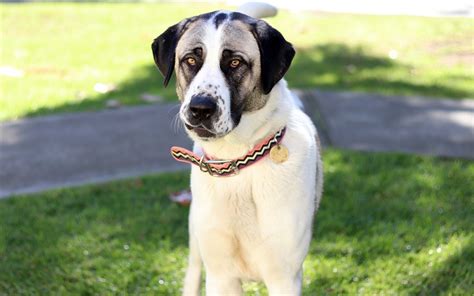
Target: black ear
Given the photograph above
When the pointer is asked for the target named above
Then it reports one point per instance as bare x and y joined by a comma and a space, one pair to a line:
164, 49
276, 54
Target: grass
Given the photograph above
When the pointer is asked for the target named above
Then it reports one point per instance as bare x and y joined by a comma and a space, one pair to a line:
388, 224
64, 49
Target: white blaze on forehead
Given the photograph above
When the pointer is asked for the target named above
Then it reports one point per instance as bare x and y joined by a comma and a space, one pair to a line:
210, 80
210, 72
213, 42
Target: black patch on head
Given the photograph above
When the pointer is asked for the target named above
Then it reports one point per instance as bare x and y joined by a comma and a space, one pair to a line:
236, 114
189, 71
206, 16
164, 46
242, 17
234, 78
219, 19
276, 53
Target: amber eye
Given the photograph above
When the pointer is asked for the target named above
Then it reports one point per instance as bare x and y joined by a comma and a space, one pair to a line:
234, 63
191, 61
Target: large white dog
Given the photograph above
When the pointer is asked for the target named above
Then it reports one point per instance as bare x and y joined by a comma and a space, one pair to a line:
257, 174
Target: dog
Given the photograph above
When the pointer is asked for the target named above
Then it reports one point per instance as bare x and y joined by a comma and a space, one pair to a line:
257, 174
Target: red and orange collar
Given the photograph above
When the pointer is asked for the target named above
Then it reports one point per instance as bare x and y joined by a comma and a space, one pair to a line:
224, 168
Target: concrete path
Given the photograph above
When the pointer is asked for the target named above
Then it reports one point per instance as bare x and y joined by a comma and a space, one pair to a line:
393, 123
64, 150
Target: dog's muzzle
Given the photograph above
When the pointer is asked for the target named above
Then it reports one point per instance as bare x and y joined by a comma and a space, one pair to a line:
201, 109
200, 115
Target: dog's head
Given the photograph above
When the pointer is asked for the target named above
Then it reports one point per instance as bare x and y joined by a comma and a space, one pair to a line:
226, 64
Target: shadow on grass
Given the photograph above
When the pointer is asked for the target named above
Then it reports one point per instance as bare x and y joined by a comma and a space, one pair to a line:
379, 212
327, 66
337, 66
121, 235
143, 80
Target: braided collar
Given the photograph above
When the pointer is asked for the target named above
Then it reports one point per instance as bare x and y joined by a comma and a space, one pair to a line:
225, 168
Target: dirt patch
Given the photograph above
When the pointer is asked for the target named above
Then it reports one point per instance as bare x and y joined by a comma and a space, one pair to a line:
460, 58
46, 71
453, 52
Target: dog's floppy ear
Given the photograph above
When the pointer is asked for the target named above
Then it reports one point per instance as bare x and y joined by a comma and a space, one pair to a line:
164, 49
276, 54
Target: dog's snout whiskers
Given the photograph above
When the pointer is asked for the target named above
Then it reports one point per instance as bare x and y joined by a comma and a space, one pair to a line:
176, 123
179, 124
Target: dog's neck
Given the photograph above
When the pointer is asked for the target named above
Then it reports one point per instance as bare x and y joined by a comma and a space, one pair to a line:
253, 128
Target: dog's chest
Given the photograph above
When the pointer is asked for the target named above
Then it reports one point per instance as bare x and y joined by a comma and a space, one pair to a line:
231, 204
226, 222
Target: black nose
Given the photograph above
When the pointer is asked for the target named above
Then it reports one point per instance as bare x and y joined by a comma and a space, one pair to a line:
202, 108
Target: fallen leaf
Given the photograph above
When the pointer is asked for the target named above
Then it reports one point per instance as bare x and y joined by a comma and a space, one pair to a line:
112, 104
151, 98
104, 88
183, 197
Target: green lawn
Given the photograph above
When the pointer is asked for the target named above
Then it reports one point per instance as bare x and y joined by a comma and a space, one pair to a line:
388, 223
64, 49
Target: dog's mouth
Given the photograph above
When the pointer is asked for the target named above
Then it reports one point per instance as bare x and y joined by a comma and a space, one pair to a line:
200, 131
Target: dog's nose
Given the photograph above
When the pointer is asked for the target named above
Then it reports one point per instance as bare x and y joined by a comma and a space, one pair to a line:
202, 108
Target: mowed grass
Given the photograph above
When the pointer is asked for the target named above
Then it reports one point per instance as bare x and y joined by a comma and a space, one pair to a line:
388, 224
64, 49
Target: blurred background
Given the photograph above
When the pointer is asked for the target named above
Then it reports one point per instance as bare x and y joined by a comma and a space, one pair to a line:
59, 57
86, 125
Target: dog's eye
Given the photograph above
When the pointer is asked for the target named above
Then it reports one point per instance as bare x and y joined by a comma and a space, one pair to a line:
191, 61
234, 63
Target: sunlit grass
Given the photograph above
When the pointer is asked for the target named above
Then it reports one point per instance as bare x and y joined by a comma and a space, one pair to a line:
388, 223
64, 49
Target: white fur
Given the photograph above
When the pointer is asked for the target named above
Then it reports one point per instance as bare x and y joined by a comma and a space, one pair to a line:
208, 77
262, 216
257, 224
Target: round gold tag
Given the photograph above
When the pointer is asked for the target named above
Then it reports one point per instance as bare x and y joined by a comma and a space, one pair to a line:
279, 153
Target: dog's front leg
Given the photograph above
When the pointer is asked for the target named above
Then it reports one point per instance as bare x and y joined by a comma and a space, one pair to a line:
221, 276
192, 281
284, 284
221, 284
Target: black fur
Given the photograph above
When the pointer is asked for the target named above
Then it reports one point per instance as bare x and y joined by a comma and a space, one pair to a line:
219, 19
234, 78
276, 53
189, 71
164, 46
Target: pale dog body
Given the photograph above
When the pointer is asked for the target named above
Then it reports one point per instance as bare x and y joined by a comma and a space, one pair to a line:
255, 225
